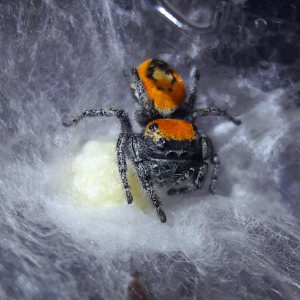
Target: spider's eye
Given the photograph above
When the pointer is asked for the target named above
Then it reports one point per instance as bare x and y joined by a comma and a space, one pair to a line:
172, 155
160, 144
153, 127
162, 141
184, 155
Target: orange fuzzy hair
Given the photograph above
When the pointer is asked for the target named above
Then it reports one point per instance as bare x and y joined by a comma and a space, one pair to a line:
166, 92
171, 129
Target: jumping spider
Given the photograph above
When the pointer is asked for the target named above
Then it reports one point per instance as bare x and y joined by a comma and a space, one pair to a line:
170, 150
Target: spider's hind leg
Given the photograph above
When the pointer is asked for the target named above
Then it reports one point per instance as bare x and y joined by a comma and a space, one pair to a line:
138, 89
147, 113
189, 103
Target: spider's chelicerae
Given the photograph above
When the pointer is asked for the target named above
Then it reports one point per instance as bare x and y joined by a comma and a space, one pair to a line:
170, 150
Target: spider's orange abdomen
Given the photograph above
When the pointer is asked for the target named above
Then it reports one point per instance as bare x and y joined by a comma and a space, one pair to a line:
163, 85
170, 129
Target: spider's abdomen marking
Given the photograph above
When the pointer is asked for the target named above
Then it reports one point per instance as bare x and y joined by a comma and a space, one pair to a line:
170, 129
163, 85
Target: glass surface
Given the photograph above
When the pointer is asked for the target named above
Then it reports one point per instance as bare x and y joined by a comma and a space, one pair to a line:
203, 16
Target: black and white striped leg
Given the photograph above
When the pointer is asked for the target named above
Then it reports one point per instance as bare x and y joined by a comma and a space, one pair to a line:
206, 147
189, 104
122, 165
215, 162
138, 88
106, 112
145, 177
214, 111
201, 176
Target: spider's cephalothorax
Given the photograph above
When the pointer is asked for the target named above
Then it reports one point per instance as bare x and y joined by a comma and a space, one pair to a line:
170, 150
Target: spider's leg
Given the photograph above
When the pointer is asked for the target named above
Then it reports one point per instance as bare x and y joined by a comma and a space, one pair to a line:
215, 162
107, 112
147, 113
138, 88
121, 156
209, 154
189, 103
214, 111
201, 172
144, 176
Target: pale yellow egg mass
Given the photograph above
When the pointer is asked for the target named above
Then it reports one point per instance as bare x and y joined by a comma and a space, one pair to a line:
96, 181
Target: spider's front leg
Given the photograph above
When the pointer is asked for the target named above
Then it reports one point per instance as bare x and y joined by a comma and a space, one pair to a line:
121, 148
213, 111
136, 149
104, 112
